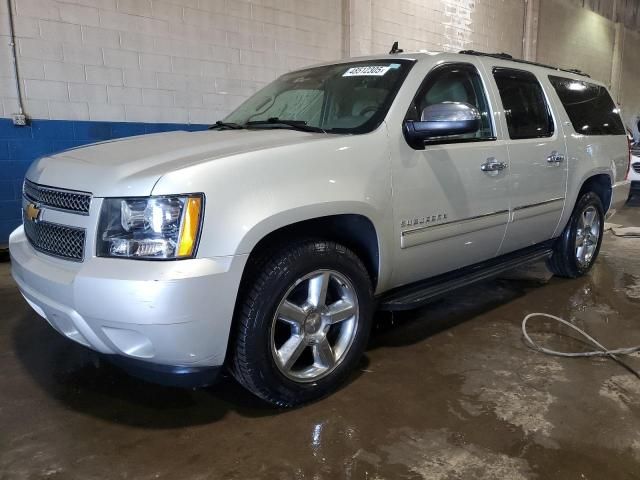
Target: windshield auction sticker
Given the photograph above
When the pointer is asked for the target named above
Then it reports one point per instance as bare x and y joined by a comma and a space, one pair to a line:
367, 71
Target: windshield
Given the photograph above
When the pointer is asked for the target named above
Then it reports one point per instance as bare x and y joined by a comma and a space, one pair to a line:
344, 98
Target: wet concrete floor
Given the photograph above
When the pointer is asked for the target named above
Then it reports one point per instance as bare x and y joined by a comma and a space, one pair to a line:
447, 392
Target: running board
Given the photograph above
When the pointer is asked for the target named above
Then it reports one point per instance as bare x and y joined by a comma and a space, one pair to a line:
418, 294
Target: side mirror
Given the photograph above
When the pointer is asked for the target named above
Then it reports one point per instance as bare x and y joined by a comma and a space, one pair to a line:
444, 119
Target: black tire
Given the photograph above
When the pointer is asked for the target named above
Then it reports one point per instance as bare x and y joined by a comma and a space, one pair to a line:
563, 262
270, 278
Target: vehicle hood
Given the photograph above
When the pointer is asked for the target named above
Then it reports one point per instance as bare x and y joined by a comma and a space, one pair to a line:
132, 166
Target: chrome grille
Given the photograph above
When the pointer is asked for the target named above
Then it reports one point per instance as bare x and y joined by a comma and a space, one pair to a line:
636, 167
71, 201
57, 240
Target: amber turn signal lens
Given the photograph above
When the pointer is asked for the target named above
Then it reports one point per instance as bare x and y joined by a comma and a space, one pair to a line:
190, 225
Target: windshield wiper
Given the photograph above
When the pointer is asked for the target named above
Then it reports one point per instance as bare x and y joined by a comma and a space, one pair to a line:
226, 126
295, 124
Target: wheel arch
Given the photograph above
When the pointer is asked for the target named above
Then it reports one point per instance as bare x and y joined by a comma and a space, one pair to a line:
602, 185
598, 180
353, 230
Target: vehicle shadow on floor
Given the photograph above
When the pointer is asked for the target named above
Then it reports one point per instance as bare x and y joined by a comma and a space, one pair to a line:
83, 381
400, 329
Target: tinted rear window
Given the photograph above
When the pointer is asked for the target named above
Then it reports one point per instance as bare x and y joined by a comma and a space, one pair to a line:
589, 106
525, 106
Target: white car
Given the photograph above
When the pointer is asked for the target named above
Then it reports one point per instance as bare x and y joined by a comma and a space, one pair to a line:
634, 170
265, 244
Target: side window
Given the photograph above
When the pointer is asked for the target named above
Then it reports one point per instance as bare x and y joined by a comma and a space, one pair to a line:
455, 83
589, 106
526, 109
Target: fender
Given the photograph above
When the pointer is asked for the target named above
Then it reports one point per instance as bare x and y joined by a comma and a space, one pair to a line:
319, 210
573, 191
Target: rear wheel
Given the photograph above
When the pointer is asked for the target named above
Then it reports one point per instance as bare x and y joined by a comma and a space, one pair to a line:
303, 323
578, 247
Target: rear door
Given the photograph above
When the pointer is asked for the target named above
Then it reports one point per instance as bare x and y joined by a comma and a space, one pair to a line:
537, 157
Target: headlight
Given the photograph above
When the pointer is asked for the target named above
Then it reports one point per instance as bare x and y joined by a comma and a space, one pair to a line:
150, 227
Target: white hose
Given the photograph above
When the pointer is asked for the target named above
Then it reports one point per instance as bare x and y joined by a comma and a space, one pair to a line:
601, 352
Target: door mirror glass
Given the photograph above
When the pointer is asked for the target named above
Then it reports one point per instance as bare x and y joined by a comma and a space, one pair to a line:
445, 119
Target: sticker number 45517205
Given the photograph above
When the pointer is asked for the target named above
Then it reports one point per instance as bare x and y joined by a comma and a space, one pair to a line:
370, 70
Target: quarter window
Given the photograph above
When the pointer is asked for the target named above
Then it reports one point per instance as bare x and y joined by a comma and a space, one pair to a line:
455, 83
525, 106
589, 106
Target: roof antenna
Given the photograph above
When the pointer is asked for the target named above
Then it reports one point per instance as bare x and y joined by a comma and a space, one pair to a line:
395, 49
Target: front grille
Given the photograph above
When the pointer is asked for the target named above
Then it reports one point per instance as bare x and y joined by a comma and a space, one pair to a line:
57, 240
635, 150
636, 167
77, 202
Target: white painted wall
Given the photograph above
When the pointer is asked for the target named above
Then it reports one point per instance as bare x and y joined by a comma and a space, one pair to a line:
630, 75
573, 37
194, 60
451, 25
159, 60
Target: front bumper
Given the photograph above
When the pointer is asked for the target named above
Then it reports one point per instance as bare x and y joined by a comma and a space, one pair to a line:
175, 313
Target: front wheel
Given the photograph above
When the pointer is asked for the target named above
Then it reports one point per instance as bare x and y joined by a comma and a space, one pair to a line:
578, 247
302, 323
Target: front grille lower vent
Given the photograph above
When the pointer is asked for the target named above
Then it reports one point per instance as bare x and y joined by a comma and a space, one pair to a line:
68, 200
57, 240
636, 167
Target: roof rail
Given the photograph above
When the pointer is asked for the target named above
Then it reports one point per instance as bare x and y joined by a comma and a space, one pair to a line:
506, 56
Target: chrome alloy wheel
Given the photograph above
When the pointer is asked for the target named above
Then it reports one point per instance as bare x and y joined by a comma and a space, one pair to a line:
314, 325
587, 236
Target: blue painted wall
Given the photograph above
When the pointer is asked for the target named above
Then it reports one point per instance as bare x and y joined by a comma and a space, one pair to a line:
19, 146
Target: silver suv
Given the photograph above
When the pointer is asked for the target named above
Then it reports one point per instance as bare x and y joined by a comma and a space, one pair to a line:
265, 244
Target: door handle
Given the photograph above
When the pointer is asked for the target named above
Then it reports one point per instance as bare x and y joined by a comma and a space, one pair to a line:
555, 158
492, 165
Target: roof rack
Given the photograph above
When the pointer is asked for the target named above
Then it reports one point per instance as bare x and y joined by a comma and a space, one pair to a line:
506, 56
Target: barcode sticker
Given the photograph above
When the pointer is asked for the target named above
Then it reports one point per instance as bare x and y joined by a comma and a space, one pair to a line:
368, 71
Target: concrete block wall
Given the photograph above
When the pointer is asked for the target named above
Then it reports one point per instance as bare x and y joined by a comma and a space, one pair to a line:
450, 25
192, 61
630, 75
177, 63
187, 61
573, 37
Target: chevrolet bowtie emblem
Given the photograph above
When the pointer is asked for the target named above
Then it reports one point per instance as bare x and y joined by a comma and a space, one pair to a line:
32, 212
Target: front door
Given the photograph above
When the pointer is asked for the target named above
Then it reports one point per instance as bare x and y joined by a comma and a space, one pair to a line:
449, 210
537, 158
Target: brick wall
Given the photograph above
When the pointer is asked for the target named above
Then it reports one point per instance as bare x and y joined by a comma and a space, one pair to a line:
187, 61
450, 25
573, 37
192, 61
630, 75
